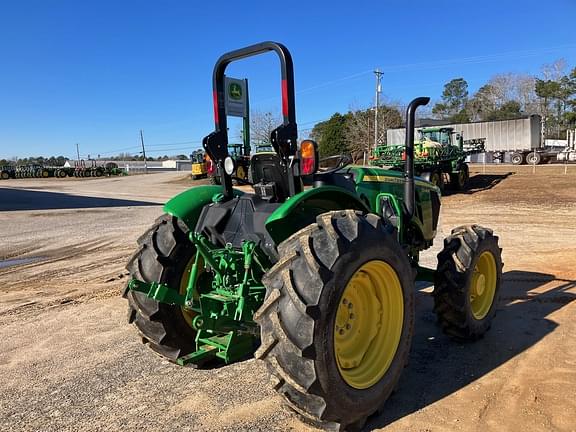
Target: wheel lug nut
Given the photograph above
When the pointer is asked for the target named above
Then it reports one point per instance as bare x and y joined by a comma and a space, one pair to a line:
348, 326
350, 306
345, 301
341, 332
352, 316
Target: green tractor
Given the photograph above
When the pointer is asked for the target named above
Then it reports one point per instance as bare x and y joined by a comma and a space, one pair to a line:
439, 151
7, 172
317, 282
241, 157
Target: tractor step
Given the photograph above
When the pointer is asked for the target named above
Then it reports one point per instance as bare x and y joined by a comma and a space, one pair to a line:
230, 347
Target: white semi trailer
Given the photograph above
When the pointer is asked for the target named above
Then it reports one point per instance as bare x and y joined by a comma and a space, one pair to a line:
517, 141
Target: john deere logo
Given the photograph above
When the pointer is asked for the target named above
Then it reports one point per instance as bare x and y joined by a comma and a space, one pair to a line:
235, 91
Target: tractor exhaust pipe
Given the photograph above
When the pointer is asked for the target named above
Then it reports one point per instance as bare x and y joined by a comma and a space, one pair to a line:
409, 198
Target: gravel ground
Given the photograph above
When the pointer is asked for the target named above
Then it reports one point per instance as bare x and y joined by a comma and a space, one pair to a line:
69, 361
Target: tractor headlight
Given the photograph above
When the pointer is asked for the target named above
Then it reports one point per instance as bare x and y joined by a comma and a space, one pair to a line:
229, 165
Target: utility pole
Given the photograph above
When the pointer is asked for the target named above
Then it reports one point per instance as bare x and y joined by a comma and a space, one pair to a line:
78, 152
143, 152
378, 90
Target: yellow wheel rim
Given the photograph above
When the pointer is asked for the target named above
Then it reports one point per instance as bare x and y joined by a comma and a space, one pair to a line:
483, 285
368, 324
187, 313
241, 172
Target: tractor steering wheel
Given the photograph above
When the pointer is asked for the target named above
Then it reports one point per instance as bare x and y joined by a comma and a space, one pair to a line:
342, 161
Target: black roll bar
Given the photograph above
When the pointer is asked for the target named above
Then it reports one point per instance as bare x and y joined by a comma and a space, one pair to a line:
284, 138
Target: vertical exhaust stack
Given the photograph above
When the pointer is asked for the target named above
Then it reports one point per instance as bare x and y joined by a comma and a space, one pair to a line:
409, 197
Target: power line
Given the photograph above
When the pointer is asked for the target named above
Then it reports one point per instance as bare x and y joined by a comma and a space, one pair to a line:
170, 150
175, 143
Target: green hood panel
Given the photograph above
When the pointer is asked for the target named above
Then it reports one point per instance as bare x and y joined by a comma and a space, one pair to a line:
188, 204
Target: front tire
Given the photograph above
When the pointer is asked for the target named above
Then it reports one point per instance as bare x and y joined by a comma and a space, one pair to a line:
467, 282
313, 339
164, 255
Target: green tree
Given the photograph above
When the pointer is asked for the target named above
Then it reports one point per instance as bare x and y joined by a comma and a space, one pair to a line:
553, 96
482, 103
331, 135
454, 99
509, 110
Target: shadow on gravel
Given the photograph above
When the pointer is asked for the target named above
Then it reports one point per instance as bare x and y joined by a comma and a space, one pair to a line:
479, 183
439, 366
24, 199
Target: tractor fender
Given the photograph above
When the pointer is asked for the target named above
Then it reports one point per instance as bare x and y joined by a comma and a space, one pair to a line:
301, 210
188, 204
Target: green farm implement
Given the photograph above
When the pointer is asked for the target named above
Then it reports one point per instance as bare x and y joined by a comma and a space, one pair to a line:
439, 151
7, 172
79, 170
313, 271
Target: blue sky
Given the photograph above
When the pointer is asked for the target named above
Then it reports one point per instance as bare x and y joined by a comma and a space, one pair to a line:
96, 72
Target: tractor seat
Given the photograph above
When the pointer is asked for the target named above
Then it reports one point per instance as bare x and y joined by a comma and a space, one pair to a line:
268, 179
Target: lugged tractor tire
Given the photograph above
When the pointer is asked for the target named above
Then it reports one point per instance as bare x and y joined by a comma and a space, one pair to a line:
467, 282
459, 180
214, 180
163, 255
300, 315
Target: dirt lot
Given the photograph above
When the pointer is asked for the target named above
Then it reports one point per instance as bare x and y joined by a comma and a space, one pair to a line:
69, 361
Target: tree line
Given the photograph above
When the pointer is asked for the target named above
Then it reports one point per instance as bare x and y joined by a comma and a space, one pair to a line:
551, 95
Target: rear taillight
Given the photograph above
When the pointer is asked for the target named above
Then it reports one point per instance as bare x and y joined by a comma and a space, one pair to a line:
308, 157
210, 166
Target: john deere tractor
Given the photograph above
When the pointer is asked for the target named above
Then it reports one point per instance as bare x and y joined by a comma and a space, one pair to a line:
313, 272
439, 151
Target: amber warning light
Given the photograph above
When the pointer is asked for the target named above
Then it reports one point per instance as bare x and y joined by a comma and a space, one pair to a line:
308, 157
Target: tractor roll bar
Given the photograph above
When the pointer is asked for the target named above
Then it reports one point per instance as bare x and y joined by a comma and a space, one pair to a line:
288, 110
409, 198
284, 138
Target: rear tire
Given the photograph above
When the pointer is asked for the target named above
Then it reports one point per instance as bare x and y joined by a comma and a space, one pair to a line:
459, 180
517, 158
163, 255
301, 312
465, 305
533, 158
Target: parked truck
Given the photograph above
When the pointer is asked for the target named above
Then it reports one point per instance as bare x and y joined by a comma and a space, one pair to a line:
569, 153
